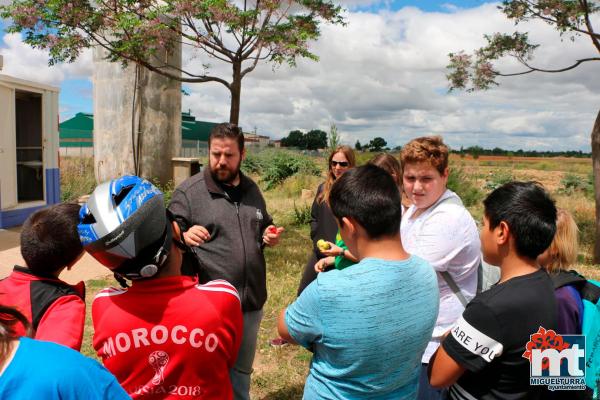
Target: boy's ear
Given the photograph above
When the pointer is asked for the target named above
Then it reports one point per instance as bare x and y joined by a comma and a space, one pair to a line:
502, 233
349, 224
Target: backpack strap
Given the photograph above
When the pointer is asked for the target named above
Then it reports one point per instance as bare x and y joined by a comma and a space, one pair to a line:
564, 278
454, 287
590, 292
445, 274
586, 289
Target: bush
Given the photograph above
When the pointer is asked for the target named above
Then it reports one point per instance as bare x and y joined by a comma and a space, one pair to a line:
252, 164
301, 214
280, 165
464, 186
571, 184
497, 179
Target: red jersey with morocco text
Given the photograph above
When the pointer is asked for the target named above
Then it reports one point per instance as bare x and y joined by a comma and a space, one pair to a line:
170, 338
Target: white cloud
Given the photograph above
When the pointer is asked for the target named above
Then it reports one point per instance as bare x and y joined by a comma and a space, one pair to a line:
384, 75
25, 62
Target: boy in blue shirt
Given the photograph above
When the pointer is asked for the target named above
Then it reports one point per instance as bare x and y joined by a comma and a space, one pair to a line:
367, 325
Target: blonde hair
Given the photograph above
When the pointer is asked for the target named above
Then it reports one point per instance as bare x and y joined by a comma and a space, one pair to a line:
563, 250
349, 154
430, 149
389, 164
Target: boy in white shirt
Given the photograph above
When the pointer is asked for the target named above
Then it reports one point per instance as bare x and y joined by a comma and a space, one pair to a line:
438, 228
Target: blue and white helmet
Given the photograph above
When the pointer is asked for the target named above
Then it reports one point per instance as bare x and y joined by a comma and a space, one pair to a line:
124, 226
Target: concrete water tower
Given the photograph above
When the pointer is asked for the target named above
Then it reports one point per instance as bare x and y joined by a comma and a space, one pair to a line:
137, 115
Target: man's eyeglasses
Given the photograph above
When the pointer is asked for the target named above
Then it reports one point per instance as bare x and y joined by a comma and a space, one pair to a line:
343, 164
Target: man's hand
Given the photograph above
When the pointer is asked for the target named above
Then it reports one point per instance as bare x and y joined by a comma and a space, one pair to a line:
271, 235
196, 235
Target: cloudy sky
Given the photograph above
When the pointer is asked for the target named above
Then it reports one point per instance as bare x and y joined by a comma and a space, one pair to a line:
384, 75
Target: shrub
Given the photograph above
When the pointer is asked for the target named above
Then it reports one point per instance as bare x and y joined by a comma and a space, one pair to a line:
301, 214
464, 186
252, 164
280, 165
497, 179
572, 183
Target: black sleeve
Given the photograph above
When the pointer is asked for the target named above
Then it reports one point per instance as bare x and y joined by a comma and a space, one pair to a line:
314, 215
180, 208
476, 339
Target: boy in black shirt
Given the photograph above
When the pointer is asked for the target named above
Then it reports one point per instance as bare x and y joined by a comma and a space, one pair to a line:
482, 356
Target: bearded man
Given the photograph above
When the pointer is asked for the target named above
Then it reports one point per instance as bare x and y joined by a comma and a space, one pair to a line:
224, 220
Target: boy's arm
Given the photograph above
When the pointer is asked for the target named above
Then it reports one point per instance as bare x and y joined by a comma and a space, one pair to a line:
443, 371
470, 345
301, 321
63, 322
282, 328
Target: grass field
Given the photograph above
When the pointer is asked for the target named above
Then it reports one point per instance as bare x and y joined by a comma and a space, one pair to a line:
280, 372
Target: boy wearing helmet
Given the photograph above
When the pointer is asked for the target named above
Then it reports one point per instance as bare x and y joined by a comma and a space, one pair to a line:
55, 309
166, 336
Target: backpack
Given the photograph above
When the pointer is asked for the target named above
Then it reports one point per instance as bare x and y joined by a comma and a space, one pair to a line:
589, 290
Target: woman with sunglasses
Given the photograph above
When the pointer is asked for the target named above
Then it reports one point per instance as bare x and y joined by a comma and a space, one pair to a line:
322, 222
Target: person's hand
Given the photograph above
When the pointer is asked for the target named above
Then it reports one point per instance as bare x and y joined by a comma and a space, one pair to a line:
271, 235
196, 235
333, 250
324, 263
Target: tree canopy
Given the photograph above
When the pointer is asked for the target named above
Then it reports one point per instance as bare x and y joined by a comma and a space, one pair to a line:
240, 33
569, 17
312, 140
377, 144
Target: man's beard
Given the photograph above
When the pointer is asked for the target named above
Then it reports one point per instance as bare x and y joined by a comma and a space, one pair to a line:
225, 175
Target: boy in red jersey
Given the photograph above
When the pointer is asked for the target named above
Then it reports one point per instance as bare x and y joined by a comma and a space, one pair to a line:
166, 336
55, 309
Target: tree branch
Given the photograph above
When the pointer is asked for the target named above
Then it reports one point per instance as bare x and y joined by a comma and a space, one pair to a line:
534, 69
197, 79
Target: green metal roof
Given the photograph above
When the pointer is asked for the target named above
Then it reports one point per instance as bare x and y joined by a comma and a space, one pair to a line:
78, 131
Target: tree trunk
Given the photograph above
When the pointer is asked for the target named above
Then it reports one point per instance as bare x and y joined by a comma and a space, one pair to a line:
596, 168
236, 91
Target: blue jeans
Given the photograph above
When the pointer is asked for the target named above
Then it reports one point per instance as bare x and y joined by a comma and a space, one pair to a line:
241, 371
426, 392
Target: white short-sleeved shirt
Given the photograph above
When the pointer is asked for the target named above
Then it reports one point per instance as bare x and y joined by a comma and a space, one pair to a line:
445, 235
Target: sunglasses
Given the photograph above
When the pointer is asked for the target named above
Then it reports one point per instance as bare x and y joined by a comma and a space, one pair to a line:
340, 163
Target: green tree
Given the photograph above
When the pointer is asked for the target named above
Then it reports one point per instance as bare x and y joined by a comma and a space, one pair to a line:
294, 139
570, 18
315, 139
237, 33
377, 144
358, 146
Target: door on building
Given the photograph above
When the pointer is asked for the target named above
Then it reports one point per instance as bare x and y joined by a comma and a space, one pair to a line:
30, 163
